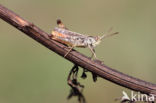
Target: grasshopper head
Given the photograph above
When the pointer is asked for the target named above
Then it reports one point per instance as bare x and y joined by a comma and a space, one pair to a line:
93, 40
98, 39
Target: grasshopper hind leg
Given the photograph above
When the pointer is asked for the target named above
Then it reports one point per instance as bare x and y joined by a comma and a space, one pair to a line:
69, 51
60, 24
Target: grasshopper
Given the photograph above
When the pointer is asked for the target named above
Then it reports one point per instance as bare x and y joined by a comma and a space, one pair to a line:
73, 39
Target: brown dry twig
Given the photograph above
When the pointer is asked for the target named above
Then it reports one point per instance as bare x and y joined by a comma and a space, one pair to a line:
95, 67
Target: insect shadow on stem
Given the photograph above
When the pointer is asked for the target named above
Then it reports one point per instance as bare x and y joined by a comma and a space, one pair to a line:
76, 87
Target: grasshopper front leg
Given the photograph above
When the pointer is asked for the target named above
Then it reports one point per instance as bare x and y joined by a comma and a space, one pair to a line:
93, 51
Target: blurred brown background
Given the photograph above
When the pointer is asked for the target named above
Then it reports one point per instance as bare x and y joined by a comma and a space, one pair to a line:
30, 73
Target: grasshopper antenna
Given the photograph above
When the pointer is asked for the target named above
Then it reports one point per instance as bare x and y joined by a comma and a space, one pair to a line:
108, 34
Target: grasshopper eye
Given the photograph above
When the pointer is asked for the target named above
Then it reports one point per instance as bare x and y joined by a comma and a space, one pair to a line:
97, 38
90, 40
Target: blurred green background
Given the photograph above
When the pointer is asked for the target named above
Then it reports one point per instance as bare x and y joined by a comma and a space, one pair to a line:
30, 73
